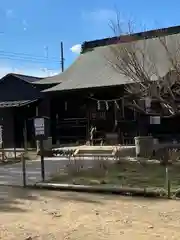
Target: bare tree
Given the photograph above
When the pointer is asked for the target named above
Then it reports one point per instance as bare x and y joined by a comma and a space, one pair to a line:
152, 66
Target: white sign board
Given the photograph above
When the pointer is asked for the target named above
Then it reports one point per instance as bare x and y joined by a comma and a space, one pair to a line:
39, 126
155, 120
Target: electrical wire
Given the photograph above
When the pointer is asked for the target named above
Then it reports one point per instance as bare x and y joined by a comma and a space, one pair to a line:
28, 58
26, 55
35, 60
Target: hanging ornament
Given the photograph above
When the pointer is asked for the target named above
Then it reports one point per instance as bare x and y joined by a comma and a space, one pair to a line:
107, 105
98, 105
116, 104
147, 104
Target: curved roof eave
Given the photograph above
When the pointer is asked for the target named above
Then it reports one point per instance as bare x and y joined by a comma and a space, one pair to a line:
94, 68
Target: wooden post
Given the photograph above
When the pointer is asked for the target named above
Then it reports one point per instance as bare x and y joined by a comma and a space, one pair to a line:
42, 160
25, 136
37, 141
88, 124
115, 117
24, 170
2, 144
122, 105
40, 133
168, 184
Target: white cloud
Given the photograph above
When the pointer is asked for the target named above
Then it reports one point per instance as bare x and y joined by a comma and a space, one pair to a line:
25, 25
48, 72
9, 13
76, 48
24, 22
99, 15
4, 70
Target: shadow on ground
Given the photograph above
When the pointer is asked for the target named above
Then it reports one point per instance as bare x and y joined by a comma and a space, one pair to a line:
12, 199
10, 196
80, 197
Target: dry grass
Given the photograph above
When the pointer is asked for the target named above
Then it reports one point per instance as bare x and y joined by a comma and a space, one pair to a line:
50, 215
126, 174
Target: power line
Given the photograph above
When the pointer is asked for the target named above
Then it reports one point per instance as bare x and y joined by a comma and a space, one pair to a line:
25, 59
27, 55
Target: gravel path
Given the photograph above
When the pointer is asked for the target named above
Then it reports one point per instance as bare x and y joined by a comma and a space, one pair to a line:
11, 174
35, 215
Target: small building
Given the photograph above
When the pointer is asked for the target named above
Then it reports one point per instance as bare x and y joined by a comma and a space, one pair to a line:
91, 93
20, 99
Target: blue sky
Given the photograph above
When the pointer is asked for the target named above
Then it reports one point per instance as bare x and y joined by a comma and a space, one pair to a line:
31, 30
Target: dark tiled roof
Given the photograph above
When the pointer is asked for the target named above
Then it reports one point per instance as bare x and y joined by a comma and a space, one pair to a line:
93, 68
86, 46
26, 77
15, 103
89, 70
49, 80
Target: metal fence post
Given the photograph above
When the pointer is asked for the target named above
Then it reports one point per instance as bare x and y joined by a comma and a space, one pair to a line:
24, 170
42, 159
168, 183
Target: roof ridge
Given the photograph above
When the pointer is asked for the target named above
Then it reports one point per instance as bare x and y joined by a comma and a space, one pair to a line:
25, 75
89, 45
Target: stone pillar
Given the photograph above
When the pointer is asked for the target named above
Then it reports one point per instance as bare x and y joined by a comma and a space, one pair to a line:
48, 144
144, 146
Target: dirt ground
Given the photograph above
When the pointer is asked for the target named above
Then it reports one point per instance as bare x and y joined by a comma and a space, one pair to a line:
47, 215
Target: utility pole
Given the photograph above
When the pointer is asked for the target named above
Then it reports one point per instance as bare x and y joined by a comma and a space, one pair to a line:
62, 57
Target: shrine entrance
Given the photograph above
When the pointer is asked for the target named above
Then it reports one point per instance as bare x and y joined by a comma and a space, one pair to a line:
104, 122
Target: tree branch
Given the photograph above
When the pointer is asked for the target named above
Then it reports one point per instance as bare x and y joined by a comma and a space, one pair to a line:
140, 63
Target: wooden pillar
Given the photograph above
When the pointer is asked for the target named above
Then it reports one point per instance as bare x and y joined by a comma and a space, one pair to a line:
8, 127
25, 136
115, 116
88, 122
122, 105
37, 141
